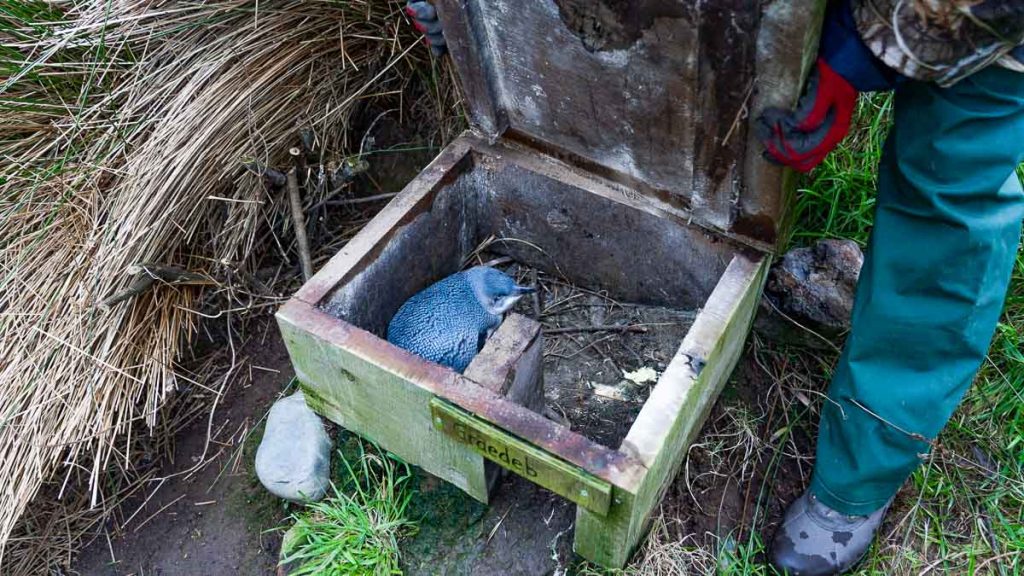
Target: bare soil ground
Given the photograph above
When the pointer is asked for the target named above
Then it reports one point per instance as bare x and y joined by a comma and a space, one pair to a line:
215, 520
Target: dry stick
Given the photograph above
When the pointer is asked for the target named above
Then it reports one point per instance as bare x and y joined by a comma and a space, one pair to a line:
148, 274
154, 514
272, 178
298, 222
498, 261
596, 328
799, 325
535, 297
363, 200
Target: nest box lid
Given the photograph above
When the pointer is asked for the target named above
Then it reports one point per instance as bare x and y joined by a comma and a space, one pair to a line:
656, 94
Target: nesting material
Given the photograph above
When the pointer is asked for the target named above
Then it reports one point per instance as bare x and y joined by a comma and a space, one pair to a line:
602, 357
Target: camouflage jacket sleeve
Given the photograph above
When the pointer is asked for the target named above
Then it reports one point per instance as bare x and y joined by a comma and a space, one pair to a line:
943, 41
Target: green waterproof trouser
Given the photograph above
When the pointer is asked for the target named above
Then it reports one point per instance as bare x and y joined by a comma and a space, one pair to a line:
947, 227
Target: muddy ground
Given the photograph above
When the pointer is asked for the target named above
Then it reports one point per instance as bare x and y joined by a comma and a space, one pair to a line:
214, 521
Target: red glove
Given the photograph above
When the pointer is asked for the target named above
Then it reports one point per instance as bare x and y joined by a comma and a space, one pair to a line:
424, 19
802, 138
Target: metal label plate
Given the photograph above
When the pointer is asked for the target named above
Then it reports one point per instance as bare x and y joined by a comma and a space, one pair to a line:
512, 453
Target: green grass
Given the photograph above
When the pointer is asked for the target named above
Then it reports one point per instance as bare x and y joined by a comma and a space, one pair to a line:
837, 199
355, 531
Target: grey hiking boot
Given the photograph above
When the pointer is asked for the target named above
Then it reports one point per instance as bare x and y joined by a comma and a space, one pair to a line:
815, 540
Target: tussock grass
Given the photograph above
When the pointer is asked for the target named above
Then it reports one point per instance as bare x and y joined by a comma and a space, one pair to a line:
123, 132
355, 531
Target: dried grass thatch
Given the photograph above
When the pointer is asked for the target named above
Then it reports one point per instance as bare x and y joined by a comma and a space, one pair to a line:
124, 127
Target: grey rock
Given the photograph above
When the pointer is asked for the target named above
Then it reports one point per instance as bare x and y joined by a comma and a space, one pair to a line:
813, 287
294, 456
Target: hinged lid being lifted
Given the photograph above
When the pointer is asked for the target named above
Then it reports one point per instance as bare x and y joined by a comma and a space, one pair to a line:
654, 94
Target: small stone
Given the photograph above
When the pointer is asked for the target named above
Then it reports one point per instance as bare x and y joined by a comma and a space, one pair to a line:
294, 457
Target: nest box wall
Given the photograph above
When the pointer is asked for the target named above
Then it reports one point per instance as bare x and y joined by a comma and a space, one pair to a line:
655, 94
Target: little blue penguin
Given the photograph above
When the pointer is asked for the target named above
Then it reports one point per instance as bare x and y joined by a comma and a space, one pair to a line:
449, 321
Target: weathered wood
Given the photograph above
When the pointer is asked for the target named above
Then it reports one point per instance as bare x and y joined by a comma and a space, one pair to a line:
594, 232
725, 83
522, 458
362, 251
511, 362
511, 365
787, 40
418, 238
616, 157
654, 94
468, 48
510, 192
325, 345
623, 101
675, 411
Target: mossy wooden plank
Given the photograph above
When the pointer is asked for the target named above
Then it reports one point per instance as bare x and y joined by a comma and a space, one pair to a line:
379, 405
522, 458
675, 411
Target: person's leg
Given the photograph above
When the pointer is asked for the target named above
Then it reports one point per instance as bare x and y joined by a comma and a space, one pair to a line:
947, 227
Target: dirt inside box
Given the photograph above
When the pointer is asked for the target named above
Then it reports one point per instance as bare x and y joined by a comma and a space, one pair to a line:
601, 356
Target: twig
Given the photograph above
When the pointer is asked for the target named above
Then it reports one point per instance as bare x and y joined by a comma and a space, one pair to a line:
988, 561
271, 178
498, 261
596, 328
362, 200
799, 325
495, 529
154, 514
299, 223
148, 274
367, 139
535, 297
741, 114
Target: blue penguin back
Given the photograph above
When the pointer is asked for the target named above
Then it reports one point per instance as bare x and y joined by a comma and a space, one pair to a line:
444, 323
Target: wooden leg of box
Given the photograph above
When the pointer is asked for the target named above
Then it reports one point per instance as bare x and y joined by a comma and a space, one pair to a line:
674, 413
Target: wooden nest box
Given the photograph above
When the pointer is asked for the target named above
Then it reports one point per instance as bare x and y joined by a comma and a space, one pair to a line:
611, 139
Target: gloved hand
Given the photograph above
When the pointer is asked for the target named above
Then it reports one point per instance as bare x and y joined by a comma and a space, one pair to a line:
802, 138
424, 19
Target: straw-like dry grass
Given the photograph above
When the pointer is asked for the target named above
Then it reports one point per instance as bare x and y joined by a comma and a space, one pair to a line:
124, 128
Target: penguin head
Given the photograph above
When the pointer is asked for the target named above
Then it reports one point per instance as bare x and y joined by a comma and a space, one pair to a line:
496, 291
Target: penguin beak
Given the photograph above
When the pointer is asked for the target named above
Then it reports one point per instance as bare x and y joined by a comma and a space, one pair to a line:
507, 302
